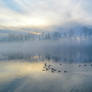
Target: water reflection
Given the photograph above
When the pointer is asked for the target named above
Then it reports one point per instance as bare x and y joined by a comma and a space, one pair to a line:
18, 69
20, 76
46, 66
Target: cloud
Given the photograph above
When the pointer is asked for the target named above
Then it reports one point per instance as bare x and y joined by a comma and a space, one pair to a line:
18, 13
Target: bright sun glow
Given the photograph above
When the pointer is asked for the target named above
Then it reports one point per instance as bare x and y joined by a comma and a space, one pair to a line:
29, 22
38, 22
34, 22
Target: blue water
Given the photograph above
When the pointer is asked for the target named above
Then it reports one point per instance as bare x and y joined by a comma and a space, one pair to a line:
22, 66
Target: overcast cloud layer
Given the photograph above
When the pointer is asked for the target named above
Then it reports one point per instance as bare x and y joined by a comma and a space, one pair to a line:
25, 13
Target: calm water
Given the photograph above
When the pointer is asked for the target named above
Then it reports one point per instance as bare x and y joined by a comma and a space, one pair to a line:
46, 66
16, 76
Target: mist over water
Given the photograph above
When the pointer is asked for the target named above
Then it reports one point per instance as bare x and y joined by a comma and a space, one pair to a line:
22, 66
65, 50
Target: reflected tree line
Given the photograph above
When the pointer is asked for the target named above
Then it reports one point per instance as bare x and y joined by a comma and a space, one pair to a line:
69, 56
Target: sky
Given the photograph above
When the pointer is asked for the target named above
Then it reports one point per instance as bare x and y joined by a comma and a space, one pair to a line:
43, 13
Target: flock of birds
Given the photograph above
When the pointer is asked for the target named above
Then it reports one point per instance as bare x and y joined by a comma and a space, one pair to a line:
49, 67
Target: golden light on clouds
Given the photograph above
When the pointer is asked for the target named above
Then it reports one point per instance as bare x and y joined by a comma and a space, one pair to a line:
32, 21
19, 21
37, 22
